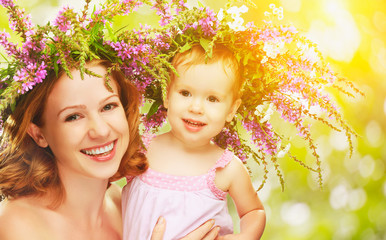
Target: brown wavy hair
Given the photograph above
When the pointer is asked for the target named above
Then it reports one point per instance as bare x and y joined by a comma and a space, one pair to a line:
27, 169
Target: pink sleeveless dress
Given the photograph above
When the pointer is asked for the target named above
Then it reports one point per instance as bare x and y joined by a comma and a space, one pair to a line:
184, 201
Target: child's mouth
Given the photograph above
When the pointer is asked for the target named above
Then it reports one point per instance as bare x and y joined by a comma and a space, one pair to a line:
193, 125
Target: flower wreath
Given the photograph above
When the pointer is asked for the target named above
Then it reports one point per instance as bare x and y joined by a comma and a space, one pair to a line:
68, 42
283, 73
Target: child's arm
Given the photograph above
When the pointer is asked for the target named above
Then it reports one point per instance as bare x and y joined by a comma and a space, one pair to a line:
249, 207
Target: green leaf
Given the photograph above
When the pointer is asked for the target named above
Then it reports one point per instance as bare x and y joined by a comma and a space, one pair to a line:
246, 58
205, 44
56, 68
186, 47
153, 109
110, 31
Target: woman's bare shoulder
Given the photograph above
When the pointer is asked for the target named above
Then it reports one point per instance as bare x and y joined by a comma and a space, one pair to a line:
19, 219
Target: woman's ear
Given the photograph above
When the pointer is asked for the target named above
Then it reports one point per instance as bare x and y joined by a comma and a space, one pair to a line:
37, 135
233, 110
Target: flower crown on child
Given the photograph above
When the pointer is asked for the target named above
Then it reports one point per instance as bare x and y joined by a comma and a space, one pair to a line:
284, 73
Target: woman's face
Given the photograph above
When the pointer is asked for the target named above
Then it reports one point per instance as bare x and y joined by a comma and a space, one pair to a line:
85, 125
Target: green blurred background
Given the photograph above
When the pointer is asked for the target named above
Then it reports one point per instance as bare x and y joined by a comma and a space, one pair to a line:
352, 36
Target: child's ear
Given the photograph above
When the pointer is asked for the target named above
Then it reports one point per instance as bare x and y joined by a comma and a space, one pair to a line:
232, 111
36, 134
166, 100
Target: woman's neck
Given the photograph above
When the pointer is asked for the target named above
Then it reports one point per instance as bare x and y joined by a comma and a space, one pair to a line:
84, 199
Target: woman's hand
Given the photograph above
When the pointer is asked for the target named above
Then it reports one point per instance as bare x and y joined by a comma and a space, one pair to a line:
203, 232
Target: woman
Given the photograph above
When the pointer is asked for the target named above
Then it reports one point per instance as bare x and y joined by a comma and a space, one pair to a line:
71, 137
66, 140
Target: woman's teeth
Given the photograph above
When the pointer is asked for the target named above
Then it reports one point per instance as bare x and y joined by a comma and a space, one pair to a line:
100, 151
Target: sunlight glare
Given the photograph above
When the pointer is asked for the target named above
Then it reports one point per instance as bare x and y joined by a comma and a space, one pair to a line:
378, 56
291, 5
338, 37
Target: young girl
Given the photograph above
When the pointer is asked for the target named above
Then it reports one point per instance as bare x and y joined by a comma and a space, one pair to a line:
273, 69
190, 176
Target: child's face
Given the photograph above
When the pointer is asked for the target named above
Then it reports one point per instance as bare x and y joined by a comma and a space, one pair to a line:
200, 101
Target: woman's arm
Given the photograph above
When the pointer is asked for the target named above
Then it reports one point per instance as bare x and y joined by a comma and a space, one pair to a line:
204, 232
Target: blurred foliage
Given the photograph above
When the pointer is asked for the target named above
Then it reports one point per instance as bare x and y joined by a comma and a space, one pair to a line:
351, 205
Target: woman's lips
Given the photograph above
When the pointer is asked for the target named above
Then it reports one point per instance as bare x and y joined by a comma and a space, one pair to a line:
101, 153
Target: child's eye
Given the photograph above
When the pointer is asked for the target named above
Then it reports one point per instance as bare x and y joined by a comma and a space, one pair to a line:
213, 99
185, 93
72, 118
110, 106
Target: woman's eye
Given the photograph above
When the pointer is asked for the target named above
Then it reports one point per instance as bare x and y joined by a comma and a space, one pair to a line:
213, 99
110, 106
72, 118
185, 93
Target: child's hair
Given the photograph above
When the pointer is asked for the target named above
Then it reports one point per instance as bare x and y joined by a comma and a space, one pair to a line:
27, 169
196, 56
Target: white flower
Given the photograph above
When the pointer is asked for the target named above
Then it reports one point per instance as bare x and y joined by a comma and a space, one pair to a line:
308, 53
266, 111
313, 73
220, 14
273, 48
284, 151
264, 60
275, 11
237, 24
243, 9
235, 12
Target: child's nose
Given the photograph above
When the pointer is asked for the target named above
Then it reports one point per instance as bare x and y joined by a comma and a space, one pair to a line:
196, 106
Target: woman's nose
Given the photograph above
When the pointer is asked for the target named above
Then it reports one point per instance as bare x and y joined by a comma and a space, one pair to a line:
98, 127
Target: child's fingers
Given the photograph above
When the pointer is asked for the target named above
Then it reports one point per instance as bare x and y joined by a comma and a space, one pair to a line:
159, 229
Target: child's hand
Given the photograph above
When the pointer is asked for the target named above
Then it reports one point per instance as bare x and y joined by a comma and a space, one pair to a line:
203, 232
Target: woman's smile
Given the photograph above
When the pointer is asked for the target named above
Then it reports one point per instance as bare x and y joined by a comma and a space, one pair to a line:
101, 153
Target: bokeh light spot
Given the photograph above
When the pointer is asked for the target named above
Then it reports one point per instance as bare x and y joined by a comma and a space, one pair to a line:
291, 5
339, 39
373, 133
379, 20
366, 166
338, 141
295, 214
339, 197
357, 198
378, 56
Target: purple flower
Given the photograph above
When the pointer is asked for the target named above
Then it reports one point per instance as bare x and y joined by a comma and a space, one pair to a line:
7, 3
